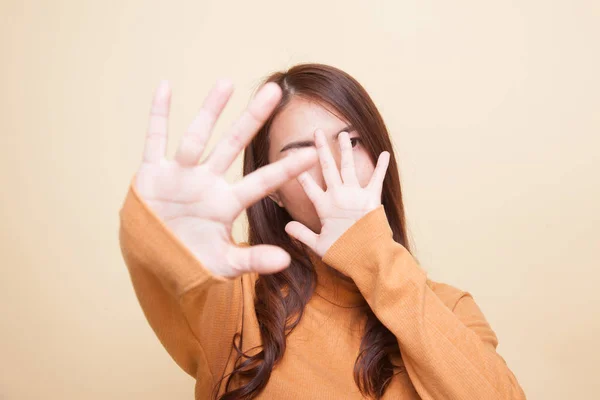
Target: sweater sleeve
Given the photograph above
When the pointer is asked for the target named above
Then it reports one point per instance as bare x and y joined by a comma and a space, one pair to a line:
449, 352
193, 312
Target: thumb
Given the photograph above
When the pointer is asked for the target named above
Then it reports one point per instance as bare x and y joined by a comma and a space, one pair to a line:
261, 258
300, 232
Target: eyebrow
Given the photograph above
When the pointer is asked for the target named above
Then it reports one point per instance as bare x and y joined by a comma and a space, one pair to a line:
303, 143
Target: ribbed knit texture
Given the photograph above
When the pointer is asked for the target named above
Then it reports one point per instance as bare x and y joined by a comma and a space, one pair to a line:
448, 348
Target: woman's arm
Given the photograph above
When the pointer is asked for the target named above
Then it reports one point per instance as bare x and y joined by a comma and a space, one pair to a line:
175, 235
193, 312
449, 352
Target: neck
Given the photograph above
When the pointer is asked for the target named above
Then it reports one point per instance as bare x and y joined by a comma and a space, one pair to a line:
334, 286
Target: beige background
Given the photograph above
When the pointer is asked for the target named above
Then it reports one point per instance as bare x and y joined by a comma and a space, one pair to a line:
494, 108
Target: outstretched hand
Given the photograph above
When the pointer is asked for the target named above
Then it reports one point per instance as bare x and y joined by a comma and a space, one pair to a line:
344, 202
194, 200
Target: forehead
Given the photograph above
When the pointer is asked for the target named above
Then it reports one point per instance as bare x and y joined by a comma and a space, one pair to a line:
298, 121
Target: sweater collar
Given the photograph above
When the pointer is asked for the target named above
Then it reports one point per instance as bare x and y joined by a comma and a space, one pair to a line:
334, 287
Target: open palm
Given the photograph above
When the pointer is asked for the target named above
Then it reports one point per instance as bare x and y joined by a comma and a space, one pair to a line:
194, 200
344, 202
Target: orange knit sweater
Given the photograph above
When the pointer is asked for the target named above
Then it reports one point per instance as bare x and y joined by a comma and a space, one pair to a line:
448, 348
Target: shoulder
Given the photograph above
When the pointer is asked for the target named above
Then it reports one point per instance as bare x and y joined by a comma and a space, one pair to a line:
450, 295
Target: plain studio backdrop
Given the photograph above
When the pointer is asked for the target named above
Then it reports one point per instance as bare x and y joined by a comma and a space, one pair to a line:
494, 108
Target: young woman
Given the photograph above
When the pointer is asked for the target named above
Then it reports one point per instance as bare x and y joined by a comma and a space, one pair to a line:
324, 300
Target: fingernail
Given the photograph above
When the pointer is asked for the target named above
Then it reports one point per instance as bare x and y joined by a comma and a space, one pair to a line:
270, 90
163, 88
282, 257
223, 83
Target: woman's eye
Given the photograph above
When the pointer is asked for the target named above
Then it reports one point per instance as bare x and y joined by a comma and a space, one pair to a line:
356, 140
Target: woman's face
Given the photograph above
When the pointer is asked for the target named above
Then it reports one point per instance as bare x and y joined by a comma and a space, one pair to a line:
293, 128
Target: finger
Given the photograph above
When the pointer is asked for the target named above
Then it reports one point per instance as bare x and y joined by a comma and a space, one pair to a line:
262, 258
312, 190
244, 128
328, 165
259, 183
376, 181
194, 140
347, 167
300, 232
156, 137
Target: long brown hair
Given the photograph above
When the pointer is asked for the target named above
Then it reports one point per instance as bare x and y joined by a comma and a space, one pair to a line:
281, 297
